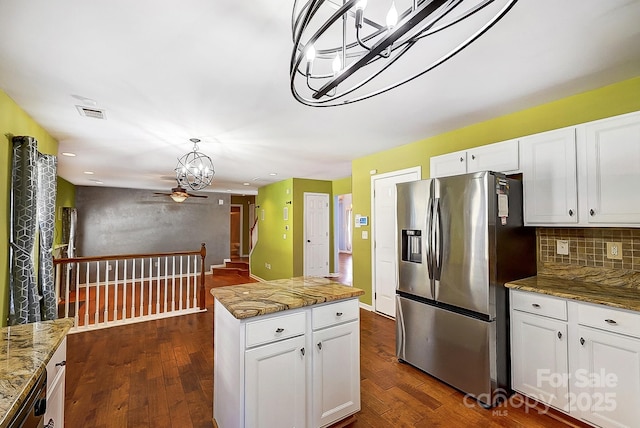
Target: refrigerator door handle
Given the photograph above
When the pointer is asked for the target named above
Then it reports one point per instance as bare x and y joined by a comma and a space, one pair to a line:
428, 241
437, 240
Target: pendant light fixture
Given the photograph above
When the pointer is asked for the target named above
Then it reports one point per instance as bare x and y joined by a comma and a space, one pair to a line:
195, 169
350, 50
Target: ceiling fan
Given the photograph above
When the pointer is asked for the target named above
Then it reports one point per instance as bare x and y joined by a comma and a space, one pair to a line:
179, 194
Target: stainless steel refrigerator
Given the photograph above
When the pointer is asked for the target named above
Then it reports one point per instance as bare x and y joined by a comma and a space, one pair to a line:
460, 239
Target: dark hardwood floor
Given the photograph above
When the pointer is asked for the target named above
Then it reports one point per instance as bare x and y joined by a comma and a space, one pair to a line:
160, 374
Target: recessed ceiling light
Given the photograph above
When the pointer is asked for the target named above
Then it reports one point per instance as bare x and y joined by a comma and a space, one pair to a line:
246, 184
71, 155
89, 172
273, 174
256, 179
97, 181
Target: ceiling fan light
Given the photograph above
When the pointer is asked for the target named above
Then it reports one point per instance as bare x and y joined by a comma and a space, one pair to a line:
179, 197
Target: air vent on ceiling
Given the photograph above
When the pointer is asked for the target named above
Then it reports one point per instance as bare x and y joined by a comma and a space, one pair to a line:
93, 112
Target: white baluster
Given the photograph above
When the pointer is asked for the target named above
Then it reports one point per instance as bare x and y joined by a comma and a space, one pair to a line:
195, 282
106, 292
77, 303
188, 282
124, 293
150, 285
115, 292
87, 298
141, 287
180, 282
173, 283
96, 319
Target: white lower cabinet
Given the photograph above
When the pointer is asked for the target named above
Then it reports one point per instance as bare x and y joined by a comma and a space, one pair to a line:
539, 358
336, 373
56, 375
587, 366
607, 380
275, 382
294, 369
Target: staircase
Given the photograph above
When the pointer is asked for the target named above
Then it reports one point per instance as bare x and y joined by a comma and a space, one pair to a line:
234, 267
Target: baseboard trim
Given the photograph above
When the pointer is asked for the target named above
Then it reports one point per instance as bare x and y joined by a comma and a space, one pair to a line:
366, 307
257, 278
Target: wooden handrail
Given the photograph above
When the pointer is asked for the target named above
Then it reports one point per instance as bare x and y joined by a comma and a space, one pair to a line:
130, 256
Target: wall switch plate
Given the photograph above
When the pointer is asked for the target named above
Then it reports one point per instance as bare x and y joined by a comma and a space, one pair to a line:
562, 247
365, 234
614, 250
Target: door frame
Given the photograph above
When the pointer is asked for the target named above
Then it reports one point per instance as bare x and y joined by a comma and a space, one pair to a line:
415, 169
304, 232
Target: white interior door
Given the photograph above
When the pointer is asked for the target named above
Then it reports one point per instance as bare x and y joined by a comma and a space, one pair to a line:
383, 223
316, 234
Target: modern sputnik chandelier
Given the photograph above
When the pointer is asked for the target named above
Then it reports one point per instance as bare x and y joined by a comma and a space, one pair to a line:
195, 169
341, 47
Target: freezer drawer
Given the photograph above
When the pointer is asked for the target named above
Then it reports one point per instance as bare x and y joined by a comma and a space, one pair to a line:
456, 349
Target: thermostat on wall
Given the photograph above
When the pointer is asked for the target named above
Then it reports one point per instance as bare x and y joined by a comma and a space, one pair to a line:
361, 220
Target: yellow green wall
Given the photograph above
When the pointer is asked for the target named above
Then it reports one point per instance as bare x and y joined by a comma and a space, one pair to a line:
619, 98
284, 255
341, 186
246, 221
13, 122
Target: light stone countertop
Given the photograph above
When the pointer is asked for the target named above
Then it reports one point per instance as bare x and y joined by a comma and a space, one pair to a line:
609, 295
26, 350
260, 298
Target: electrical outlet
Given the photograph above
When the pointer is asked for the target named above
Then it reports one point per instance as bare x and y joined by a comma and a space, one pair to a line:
614, 250
562, 247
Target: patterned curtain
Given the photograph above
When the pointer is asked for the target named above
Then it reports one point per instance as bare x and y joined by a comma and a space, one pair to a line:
46, 221
27, 301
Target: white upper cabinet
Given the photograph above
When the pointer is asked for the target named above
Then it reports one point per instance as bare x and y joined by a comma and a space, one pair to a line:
450, 164
499, 157
548, 163
586, 175
613, 170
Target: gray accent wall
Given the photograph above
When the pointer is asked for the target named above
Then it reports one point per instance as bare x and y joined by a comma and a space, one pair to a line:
131, 221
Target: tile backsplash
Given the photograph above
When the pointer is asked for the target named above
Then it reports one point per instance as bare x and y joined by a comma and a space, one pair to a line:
588, 247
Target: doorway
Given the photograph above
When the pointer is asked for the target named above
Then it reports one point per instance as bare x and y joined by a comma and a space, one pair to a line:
235, 232
343, 235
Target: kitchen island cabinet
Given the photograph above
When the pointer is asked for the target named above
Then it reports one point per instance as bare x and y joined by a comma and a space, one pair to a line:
286, 354
26, 352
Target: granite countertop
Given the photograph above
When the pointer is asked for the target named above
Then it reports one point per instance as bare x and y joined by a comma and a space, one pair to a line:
260, 298
615, 296
26, 350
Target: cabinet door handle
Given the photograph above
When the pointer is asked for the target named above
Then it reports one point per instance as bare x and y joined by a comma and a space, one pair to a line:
570, 213
61, 363
279, 330
338, 314
461, 159
320, 346
592, 212
582, 340
535, 305
559, 335
302, 351
473, 157
610, 321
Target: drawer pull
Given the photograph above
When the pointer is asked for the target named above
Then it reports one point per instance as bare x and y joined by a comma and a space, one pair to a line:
582, 341
302, 351
320, 346
570, 213
338, 314
610, 322
535, 305
559, 335
592, 212
61, 363
279, 330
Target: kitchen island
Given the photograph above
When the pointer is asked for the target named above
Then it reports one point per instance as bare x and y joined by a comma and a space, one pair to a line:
286, 353
26, 350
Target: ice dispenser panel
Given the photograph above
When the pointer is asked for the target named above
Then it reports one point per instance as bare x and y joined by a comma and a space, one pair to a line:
412, 246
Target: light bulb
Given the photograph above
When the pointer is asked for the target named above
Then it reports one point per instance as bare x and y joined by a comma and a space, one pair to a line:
311, 53
361, 4
392, 16
337, 64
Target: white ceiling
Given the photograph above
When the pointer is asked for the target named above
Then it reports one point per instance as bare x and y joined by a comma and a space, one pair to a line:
218, 70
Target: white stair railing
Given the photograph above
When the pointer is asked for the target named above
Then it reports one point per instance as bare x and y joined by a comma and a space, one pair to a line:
106, 291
